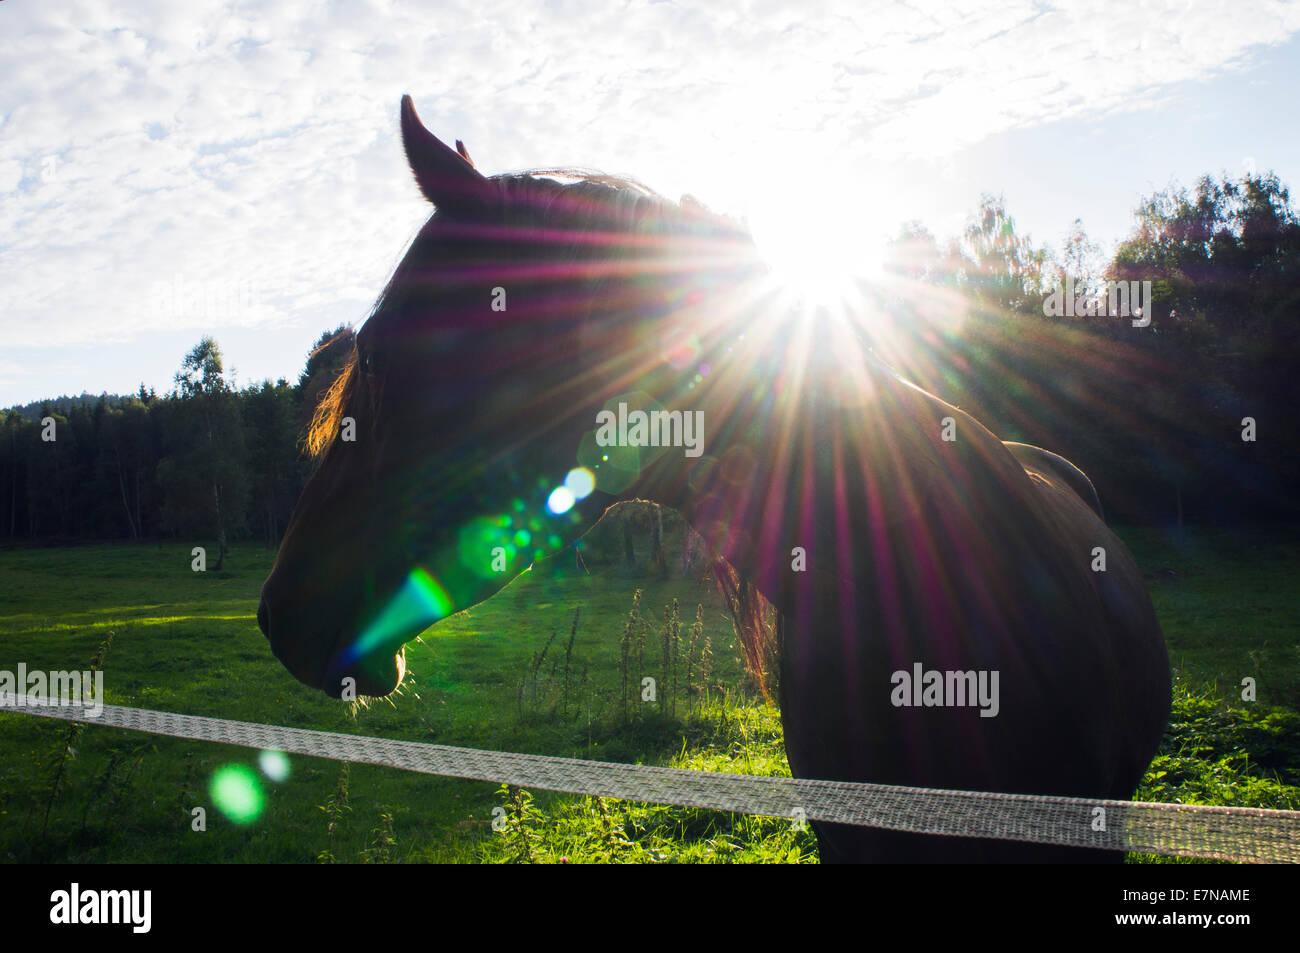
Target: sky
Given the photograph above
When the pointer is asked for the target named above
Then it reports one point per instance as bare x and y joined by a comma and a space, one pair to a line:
173, 170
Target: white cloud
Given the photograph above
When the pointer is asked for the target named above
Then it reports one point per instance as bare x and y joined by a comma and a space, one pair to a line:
252, 142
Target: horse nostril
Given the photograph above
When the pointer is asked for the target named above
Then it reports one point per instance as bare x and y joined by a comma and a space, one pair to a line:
263, 619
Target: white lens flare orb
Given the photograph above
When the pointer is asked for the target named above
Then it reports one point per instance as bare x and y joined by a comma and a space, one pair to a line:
560, 501
274, 764
580, 482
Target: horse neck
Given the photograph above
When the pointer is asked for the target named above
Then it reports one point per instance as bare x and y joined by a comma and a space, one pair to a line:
783, 417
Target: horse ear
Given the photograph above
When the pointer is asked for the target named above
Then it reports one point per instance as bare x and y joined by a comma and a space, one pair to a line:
446, 177
464, 153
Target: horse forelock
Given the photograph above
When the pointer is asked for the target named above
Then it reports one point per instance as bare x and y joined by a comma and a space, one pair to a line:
329, 411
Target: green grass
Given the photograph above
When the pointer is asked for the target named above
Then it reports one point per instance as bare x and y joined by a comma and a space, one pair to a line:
1230, 609
189, 642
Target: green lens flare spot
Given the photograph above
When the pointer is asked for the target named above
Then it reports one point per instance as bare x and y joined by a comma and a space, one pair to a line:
420, 602
523, 537
477, 540
237, 793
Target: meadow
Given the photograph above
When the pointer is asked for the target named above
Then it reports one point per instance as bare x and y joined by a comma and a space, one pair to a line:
540, 668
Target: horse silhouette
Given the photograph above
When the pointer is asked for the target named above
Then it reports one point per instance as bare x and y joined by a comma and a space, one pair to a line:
894, 534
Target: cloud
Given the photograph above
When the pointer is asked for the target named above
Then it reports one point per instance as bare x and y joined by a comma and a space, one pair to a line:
210, 147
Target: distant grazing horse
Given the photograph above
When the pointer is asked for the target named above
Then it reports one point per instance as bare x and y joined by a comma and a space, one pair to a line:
894, 534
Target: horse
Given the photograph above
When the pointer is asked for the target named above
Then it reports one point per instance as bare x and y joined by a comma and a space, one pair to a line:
892, 532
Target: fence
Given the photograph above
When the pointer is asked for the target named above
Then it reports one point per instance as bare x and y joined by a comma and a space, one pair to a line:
1221, 833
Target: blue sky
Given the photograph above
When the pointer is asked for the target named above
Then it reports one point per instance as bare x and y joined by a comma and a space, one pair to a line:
249, 152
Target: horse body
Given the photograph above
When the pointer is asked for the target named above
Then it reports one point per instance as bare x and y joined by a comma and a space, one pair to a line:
960, 555
1048, 467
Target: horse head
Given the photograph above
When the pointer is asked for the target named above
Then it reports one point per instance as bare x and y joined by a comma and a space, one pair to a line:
450, 450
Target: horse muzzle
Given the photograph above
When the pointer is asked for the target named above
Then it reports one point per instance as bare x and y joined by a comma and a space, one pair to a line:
332, 664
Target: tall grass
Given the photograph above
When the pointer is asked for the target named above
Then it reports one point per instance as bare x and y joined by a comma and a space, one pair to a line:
189, 642
66, 749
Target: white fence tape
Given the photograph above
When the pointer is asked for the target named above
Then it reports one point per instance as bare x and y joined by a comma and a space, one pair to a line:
1223, 833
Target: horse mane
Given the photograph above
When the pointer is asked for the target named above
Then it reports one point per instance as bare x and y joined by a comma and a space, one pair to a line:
327, 416
752, 616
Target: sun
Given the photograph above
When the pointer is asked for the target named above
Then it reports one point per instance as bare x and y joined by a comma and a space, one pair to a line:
819, 252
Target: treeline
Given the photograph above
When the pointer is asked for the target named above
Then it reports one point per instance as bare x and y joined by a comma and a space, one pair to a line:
1191, 416
1187, 412
205, 460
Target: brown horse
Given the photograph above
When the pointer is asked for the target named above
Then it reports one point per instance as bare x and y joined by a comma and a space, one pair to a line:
896, 536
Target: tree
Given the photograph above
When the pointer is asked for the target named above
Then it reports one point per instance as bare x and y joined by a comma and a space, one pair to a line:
1224, 259
126, 455
209, 457
276, 471
1080, 257
1003, 270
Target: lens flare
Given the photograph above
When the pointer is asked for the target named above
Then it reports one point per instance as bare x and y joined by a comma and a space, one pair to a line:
274, 764
580, 482
419, 603
237, 793
560, 501
483, 535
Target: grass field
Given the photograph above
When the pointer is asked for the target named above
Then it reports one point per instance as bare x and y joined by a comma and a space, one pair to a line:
496, 678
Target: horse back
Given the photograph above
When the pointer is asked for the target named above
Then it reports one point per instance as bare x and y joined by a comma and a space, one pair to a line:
975, 562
